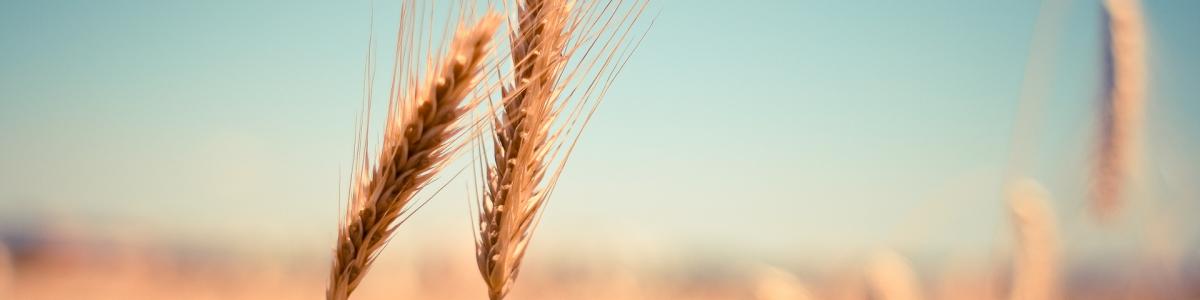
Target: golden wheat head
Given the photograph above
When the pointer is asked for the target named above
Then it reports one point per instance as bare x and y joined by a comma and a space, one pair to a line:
890, 277
1035, 265
547, 99
1121, 119
417, 142
772, 283
6, 270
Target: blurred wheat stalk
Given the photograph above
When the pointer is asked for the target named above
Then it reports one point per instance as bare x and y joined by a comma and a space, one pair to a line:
891, 277
776, 284
1036, 251
1122, 109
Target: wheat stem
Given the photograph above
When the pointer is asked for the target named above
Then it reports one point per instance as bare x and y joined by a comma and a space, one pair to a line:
1035, 265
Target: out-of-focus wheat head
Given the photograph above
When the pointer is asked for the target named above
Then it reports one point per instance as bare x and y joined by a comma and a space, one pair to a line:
6, 270
546, 102
890, 277
775, 284
967, 279
424, 125
1036, 247
1122, 110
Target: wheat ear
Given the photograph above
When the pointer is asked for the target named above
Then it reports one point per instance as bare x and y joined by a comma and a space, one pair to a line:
890, 277
417, 142
1035, 265
772, 283
533, 125
521, 135
6, 270
1122, 109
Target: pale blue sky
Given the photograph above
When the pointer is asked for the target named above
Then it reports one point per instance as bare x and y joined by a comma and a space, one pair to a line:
769, 126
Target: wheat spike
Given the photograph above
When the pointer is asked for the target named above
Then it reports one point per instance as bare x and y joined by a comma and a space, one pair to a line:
1035, 265
417, 142
536, 124
1122, 109
521, 136
891, 278
772, 283
6, 270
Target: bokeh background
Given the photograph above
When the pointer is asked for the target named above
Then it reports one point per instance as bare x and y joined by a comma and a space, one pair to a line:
196, 148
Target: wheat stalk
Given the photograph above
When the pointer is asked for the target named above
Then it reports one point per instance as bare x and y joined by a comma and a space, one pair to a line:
891, 278
417, 142
1122, 108
772, 283
537, 123
1035, 265
6, 270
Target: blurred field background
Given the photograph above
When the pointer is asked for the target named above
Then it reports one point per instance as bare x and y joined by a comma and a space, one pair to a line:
194, 150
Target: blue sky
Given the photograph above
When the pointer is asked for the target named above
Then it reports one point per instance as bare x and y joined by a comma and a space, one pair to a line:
768, 127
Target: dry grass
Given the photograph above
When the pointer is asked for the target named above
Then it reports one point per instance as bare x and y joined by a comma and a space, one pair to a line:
417, 142
1121, 118
1036, 252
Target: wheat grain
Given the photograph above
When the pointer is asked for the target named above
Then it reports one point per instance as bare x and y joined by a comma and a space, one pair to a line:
417, 142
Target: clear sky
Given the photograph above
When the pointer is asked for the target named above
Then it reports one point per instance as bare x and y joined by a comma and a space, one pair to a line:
766, 126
